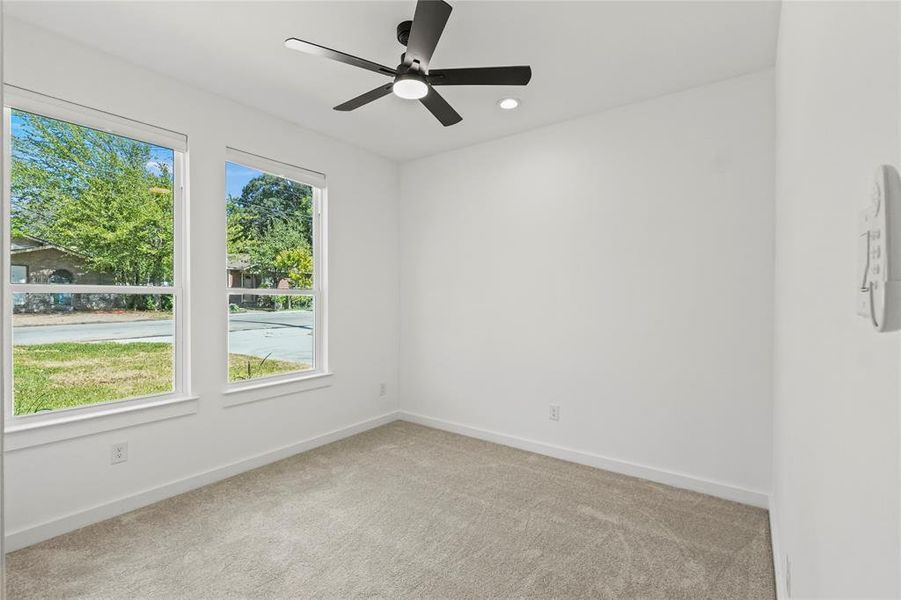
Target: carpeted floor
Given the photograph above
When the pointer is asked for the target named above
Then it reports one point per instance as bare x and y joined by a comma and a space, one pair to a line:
404, 511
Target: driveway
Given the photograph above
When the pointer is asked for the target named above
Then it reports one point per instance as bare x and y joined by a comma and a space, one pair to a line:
284, 335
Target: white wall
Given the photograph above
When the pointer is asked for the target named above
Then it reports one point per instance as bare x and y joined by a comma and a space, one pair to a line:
619, 265
47, 482
836, 488
2, 509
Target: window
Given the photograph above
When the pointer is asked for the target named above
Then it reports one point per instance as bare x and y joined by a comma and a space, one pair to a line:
18, 274
273, 268
92, 244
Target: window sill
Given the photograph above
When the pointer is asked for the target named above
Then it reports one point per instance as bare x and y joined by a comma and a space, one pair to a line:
66, 427
266, 389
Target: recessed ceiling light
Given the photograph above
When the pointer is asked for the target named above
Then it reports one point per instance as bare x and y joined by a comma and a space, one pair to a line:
508, 103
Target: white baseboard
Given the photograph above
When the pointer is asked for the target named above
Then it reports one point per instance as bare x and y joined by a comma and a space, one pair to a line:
31, 535
778, 560
21, 538
673, 478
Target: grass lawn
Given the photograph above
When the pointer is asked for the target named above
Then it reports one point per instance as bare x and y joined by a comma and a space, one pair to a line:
51, 376
238, 367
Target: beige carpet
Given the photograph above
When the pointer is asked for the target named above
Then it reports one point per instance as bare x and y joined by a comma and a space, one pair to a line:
404, 511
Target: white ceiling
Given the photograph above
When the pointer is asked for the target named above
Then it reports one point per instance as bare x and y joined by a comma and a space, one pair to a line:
585, 57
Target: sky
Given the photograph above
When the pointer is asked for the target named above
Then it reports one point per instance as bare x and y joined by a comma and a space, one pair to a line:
159, 156
236, 177
16, 126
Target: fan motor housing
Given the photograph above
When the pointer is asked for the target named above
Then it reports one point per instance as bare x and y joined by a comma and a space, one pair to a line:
403, 31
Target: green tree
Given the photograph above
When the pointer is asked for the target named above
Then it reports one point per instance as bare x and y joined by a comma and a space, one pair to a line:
267, 200
271, 223
297, 266
275, 255
92, 193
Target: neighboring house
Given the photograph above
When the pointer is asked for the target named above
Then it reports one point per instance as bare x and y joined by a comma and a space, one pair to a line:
237, 266
36, 261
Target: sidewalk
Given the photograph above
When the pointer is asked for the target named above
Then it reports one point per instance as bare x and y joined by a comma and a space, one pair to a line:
77, 318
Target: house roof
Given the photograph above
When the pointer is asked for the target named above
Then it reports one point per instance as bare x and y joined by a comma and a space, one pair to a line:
23, 244
237, 262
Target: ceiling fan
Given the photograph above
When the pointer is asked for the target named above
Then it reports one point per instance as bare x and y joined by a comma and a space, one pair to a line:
413, 80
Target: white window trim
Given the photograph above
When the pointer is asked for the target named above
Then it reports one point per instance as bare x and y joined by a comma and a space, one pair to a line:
114, 415
314, 179
320, 370
267, 388
65, 423
79, 114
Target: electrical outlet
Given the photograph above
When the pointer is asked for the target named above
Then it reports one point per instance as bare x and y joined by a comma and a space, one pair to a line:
383, 390
118, 453
554, 413
788, 576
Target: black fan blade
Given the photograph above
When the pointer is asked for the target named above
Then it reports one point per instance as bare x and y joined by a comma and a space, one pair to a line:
439, 107
317, 50
481, 76
428, 23
366, 98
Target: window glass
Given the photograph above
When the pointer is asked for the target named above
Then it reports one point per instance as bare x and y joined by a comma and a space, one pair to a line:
271, 264
89, 207
270, 335
76, 349
89, 211
270, 230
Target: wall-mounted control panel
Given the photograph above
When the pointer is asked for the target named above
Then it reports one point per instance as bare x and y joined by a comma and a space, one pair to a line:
879, 253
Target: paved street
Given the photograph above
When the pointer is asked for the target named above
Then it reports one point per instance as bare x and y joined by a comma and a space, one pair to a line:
286, 335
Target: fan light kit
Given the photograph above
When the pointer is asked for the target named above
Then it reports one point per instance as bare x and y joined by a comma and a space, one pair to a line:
410, 87
413, 80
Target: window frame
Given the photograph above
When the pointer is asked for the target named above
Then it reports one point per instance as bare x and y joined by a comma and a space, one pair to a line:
317, 181
32, 102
